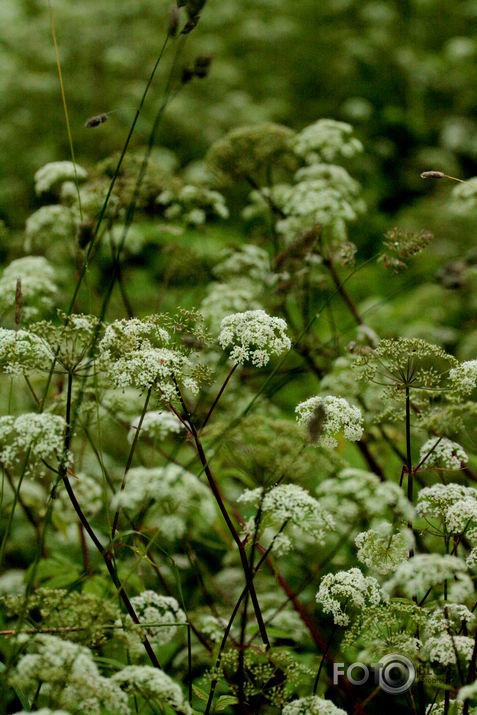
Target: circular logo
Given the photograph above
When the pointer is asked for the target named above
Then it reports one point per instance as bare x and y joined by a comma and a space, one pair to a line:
396, 673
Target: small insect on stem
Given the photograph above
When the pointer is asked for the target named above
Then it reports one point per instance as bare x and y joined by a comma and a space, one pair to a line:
97, 120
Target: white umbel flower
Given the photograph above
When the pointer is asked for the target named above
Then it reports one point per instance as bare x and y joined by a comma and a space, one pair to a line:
325, 140
291, 503
346, 593
340, 416
464, 377
136, 353
67, 670
423, 571
56, 172
156, 425
253, 337
152, 683
443, 453
162, 611
38, 286
382, 548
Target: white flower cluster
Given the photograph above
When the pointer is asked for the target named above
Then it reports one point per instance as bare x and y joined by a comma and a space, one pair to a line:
22, 352
442, 639
443, 648
67, 670
48, 226
314, 201
347, 593
291, 503
424, 571
312, 705
454, 504
443, 453
39, 434
465, 196
192, 204
382, 548
56, 172
156, 425
248, 261
38, 286
162, 612
325, 140
152, 683
134, 353
356, 492
339, 416
463, 378
178, 497
253, 336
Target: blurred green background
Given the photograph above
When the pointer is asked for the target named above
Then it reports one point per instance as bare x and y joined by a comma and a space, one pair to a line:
403, 72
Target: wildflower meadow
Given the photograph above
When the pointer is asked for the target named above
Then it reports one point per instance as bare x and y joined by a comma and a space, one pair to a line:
238, 357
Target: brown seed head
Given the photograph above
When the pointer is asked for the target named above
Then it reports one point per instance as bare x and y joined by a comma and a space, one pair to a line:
433, 175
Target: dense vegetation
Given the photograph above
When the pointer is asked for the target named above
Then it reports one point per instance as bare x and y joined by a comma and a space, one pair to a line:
238, 358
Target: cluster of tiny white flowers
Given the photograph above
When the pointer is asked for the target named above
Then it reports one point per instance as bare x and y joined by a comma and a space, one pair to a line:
134, 353
339, 416
353, 492
212, 626
464, 377
69, 671
156, 425
291, 503
253, 336
22, 352
465, 195
443, 453
249, 260
178, 495
38, 286
312, 705
346, 592
313, 201
424, 571
48, 225
160, 611
41, 434
443, 648
192, 204
152, 683
325, 140
56, 172
454, 504
382, 548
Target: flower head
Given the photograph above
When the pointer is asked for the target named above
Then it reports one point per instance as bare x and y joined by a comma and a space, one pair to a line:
253, 336
339, 416
346, 593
